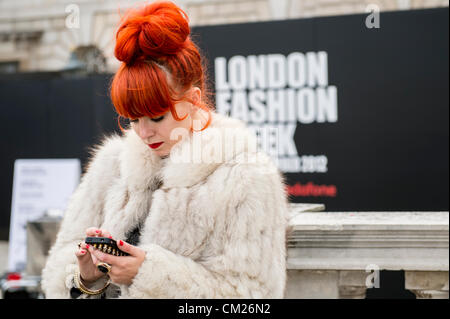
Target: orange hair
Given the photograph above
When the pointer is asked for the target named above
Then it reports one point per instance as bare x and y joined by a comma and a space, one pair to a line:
154, 46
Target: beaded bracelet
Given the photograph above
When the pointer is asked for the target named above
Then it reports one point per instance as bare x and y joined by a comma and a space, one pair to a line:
84, 289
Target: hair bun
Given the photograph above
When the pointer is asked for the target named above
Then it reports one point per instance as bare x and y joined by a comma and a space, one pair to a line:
156, 30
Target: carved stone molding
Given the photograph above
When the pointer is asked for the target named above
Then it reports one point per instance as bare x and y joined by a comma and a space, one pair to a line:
354, 245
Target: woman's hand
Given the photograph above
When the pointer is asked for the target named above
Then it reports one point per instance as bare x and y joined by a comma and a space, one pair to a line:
87, 262
123, 268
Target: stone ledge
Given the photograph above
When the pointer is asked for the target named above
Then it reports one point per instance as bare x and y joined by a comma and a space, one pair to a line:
392, 240
331, 254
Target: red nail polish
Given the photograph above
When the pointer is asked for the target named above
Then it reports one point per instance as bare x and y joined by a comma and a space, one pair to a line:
87, 246
120, 243
110, 237
97, 231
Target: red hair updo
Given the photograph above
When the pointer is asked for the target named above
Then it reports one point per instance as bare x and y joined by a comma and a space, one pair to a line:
155, 48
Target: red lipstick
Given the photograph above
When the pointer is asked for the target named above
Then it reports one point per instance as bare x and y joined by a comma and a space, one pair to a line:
155, 145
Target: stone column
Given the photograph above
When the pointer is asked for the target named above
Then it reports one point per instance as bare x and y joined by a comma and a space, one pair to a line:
352, 284
326, 284
312, 284
427, 284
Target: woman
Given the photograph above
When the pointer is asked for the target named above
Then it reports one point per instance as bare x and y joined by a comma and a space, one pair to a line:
200, 212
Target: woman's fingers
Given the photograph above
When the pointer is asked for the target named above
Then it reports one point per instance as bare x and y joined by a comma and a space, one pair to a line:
95, 260
82, 250
105, 233
86, 263
80, 253
97, 232
92, 231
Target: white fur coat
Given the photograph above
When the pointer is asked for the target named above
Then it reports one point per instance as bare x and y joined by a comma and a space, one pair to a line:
214, 229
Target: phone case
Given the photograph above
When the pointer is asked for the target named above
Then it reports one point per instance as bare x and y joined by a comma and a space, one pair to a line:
106, 245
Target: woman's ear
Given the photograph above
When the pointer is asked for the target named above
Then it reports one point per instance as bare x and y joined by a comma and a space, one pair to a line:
196, 116
195, 96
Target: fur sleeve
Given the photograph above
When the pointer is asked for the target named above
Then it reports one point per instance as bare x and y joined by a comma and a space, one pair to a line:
245, 253
83, 211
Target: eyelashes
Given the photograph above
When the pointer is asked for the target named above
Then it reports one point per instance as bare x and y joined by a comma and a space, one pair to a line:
157, 119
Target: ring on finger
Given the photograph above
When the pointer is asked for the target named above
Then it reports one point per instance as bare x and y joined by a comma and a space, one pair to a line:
104, 267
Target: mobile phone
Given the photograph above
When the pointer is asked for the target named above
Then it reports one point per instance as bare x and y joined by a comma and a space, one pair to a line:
106, 245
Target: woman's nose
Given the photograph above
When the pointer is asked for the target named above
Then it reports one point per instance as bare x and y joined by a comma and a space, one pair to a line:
145, 129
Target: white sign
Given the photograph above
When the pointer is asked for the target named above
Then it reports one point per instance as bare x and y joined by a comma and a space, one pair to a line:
39, 185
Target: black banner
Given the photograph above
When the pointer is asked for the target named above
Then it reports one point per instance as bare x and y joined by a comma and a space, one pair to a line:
355, 115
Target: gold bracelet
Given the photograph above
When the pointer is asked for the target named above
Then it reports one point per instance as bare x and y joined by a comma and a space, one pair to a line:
84, 289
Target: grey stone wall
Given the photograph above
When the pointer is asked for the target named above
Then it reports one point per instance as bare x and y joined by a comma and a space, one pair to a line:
34, 34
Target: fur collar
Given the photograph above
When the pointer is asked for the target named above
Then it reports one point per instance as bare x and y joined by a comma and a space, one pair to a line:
191, 160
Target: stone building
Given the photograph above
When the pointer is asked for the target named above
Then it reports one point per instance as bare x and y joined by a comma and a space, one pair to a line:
50, 35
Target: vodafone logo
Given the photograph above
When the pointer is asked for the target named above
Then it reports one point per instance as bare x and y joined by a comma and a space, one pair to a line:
311, 189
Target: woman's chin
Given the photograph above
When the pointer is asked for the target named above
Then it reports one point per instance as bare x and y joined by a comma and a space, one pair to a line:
161, 153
